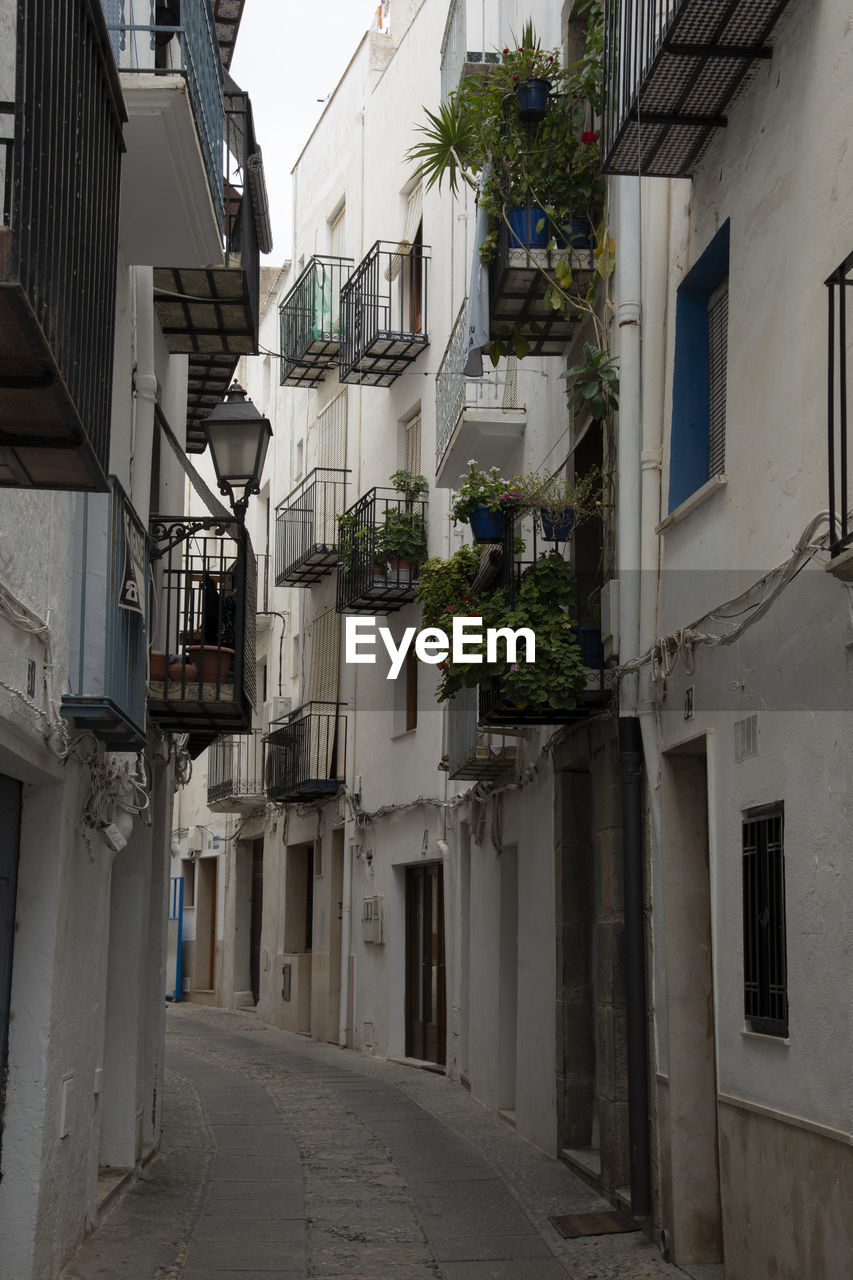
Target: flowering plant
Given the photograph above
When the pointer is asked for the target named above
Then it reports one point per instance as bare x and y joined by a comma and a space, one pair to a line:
528, 61
483, 489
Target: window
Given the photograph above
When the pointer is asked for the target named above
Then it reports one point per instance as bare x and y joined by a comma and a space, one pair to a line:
765, 993
698, 438
413, 445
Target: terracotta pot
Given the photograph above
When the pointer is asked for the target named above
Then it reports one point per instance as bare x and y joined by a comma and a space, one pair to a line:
180, 671
158, 665
213, 663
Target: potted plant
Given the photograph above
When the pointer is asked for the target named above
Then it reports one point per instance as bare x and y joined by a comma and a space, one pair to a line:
482, 500
561, 502
400, 543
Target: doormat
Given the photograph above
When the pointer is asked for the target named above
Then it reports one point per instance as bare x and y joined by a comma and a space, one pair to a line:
606, 1223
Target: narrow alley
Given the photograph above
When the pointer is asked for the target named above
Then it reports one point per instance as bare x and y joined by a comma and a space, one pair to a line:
283, 1158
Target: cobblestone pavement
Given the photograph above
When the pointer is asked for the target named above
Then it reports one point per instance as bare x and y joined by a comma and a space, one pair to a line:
284, 1159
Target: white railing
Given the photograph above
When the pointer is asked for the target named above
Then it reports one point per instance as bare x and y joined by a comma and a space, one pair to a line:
455, 393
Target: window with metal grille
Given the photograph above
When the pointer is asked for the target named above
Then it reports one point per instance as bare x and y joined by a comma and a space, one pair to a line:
413, 445
765, 983
718, 335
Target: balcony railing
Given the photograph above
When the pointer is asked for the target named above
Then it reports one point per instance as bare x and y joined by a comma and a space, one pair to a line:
307, 753
838, 408
60, 157
236, 771
519, 278
475, 417
369, 576
671, 68
384, 314
187, 46
204, 627
109, 632
474, 755
310, 319
306, 528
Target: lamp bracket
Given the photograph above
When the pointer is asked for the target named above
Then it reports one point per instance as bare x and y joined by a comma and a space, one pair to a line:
167, 533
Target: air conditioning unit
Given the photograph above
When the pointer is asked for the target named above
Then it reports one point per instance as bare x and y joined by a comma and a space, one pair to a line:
276, 709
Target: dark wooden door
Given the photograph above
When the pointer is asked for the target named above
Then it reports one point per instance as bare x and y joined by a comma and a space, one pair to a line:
256, 918
10, 825
425, 978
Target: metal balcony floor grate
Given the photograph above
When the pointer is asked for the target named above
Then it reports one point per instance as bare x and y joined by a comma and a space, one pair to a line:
384, 359
310, 568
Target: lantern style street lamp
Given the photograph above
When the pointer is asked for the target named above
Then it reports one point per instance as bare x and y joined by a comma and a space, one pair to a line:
238, 436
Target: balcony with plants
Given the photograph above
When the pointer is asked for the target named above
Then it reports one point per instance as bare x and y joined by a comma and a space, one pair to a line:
202, 656
310, 322
173, 82
307, 528
236, 772
384, 314
306, 754
382, 545
521, 138
480, 415
672, 69
60, 161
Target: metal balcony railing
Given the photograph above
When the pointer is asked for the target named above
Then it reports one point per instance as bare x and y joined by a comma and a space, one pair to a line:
109, 632
203, 630
371, 574
519, 278
384, 314
236, 770
671, 68
306, 528
838, 407
310, 320
455, 393
307, 753
60, 158
169, 39
474, 755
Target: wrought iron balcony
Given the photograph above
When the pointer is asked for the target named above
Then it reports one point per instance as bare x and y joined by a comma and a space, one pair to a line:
671, 69
172, 80
372, 573
838, 409
307, 753
310, 319
384, 314
497, 711
519, 278
60, 157
306, 528
236, 772
474, 755
475, 417
109, 631
203, 632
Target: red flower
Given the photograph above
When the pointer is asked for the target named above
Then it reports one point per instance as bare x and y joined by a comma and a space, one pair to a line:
506, 50
587, 136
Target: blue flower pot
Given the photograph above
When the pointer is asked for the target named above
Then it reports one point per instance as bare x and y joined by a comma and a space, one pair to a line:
524, 227
559, 529
576, 233
532, 98
487, 524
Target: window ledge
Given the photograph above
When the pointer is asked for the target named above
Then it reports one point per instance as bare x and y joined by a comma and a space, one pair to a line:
765, 1036
712, 486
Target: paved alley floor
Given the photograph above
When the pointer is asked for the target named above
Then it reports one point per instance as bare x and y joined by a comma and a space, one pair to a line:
283, 1159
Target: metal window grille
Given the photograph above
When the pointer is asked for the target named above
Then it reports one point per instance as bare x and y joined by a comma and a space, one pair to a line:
332, 427
413, 445
764, 952
839, 350
718, 333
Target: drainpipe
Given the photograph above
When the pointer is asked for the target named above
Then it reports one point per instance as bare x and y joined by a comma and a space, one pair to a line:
145, 389
629, 530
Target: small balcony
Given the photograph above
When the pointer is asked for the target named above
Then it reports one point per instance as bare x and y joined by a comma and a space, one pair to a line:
457, 61
236, 772
203, 629
372, 576
306, 528
307, 754
384, 314
671, 70
520, 275
109, 631
475, 755
475, 417
211, 313
497, 712
60, 198
172, 205
310, 319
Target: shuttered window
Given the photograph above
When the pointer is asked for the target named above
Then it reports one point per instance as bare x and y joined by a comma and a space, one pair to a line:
325, 635
718, 334
332, 433
413, 445
765, 980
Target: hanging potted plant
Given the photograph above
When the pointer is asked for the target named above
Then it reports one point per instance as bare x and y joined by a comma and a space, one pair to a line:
532, 71
483, 500
561, 502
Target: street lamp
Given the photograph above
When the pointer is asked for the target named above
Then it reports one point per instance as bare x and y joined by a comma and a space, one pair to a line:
238, 437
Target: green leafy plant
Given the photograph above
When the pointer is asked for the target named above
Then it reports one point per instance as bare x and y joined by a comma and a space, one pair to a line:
482, 489
413, 486
552, 493
594, 384
401, 536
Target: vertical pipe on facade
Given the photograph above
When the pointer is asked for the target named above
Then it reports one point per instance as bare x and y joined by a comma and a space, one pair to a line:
145, 393
629, 550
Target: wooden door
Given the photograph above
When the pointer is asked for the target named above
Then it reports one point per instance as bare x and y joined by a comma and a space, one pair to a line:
426, 1030
10, 822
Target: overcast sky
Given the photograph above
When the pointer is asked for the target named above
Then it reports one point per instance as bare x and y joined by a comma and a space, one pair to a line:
288, 56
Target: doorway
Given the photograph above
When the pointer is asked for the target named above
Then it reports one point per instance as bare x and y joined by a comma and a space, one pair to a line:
206, 881
10, 827
256, 919
426, 1019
